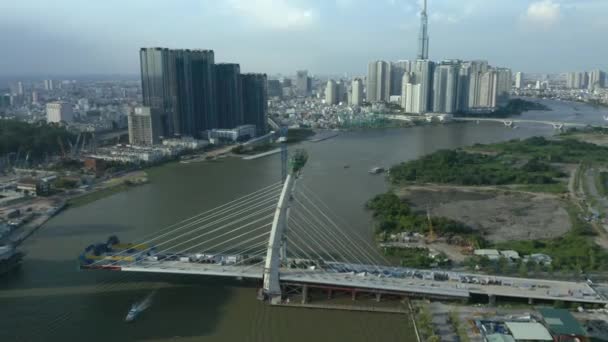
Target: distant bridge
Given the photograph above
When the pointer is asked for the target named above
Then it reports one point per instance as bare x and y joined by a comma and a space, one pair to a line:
510, 122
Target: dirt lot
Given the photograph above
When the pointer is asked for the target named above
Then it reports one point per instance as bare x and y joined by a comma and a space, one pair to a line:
499, 215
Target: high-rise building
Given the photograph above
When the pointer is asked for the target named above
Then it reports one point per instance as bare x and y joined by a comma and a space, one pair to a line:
255, 101
423, 70
378, 81
397, 70
275, 89
356, 98
34, 97
20, 90
596, 79
505, 79
411, 96
59, 111
228, 95
519, 79
464, 75
303, 83
476, 69
331, 93
445, 87
144, 126
423, 40
180, 84
341, 91
48, 85
372, 82
577, 80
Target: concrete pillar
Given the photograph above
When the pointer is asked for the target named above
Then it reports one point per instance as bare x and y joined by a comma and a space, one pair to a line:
329, 294
304, 294
492, 300
354, 295
530, 301
378, 297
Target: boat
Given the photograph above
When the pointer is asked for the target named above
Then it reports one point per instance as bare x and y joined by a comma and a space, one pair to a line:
376, 170
138, 308
10, 258
346, 166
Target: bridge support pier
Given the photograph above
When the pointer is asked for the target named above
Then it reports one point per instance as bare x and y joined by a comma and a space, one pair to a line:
354, 295
304, 294
329, 293
530, 301
378, 297
492, 300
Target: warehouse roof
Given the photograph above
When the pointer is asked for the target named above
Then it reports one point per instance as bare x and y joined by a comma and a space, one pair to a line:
561, 322
529, 331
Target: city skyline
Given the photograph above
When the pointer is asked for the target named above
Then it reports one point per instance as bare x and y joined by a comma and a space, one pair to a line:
281, 36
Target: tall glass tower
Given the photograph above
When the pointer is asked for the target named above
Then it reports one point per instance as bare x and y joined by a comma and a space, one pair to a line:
423, 48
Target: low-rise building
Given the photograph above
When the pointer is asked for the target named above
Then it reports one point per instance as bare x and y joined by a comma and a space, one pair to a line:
562, 325
35, 186
240, 133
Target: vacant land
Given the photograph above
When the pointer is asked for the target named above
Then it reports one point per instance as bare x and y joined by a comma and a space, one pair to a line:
497, 215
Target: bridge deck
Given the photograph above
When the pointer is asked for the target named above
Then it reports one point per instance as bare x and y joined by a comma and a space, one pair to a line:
421, 284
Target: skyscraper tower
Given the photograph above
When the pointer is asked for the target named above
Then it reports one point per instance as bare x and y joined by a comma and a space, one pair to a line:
423, 48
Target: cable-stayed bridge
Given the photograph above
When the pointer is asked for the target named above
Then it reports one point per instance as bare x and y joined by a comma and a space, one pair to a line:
286, 237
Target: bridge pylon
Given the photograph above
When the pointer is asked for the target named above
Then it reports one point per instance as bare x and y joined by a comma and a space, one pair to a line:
277, 249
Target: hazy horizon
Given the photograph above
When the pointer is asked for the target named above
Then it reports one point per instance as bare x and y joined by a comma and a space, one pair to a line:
280, 36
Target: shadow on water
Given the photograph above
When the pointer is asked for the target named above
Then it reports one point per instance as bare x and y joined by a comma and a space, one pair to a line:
58, 310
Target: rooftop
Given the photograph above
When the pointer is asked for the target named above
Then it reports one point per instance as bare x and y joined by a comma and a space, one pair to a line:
529, 331
561, 322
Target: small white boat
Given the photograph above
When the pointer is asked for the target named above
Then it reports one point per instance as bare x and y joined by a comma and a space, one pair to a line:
376, 170
138, 308
133, 313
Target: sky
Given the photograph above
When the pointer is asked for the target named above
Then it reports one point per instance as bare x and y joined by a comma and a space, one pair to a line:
79, 37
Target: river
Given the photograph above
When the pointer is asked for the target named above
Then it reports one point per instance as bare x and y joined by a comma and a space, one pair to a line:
48, 299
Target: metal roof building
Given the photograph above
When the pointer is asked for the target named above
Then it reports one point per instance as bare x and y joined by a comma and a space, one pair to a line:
562, 324
528, 331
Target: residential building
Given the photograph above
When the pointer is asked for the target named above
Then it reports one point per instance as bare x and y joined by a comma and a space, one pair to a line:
228, 95
519, 76
59, 111
180, 84
303, 83
356, 98
331, 93
255, 101
445, 87
144, 126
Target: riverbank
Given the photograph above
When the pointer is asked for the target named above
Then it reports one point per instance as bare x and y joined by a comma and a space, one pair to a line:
108, 188
511, 196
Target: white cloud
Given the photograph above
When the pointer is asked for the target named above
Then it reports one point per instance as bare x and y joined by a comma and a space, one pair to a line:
542, 14
275, 14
